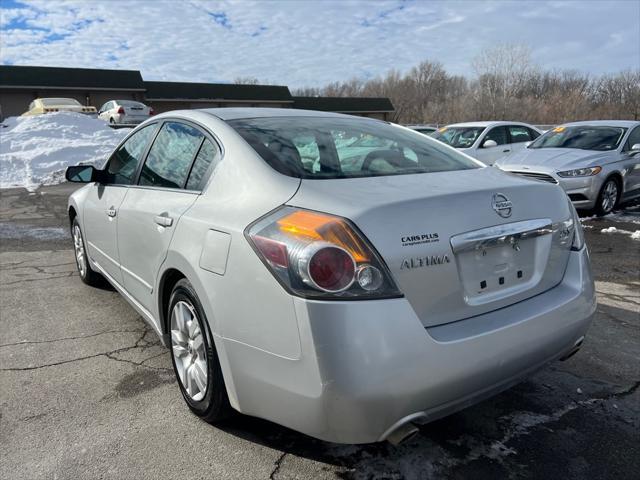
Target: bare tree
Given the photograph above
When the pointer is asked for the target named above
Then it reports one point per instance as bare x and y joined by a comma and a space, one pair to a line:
246, 81
508, 86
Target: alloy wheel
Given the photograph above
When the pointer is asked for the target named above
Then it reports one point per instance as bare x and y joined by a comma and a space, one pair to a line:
189, 351
78, 246
609, 196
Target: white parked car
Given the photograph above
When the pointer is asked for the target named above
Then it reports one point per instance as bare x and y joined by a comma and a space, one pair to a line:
127, 112
488, 141
345, 300
424, 129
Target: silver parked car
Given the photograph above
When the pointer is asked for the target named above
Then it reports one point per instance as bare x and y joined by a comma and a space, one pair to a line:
596, 162
488, 141
125, 112
424, 129
349, 300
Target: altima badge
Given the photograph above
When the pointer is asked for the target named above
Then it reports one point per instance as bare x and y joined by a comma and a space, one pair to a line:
502, 205
419, 262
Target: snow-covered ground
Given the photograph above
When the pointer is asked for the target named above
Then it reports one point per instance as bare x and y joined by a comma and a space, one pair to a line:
36, 150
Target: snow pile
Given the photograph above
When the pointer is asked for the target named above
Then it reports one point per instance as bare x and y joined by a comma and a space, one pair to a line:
36, 150
634, 235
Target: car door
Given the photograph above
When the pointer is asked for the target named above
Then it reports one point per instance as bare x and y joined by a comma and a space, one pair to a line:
151, 210
631, 164
489, 155
105, 198
519, 135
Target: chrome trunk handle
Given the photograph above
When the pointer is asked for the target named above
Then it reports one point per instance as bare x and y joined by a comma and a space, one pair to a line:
507, 234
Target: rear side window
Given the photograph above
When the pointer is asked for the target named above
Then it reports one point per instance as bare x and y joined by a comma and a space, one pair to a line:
208, 156
498, 135
123, 164
342, 147
519, 134
170, 156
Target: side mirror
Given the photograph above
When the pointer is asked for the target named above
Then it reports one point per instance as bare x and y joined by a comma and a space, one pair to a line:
526, 144
489, 144
635, 149
83, 174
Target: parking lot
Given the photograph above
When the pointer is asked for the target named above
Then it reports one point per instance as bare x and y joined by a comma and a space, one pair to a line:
87, 391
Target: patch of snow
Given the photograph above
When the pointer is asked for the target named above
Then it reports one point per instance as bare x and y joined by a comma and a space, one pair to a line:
634, 235
37, 150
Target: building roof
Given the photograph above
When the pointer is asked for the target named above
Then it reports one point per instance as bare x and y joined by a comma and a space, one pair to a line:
216, 91
15, 76
344, 104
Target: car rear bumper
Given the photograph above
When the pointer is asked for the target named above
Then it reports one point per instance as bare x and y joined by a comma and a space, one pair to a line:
367, 367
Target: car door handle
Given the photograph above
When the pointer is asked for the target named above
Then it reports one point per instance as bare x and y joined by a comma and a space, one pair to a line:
506, 151
111, 212
163, 220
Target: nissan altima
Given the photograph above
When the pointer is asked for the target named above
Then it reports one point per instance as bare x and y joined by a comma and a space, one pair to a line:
349, 300
596, 162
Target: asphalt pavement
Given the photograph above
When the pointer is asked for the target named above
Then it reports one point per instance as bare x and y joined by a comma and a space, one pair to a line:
87, 391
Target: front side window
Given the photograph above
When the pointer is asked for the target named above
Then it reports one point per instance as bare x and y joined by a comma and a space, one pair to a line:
519, 134
170, 156
123, 164
329, 148
634, 138
458, 137
584, 137
498, 135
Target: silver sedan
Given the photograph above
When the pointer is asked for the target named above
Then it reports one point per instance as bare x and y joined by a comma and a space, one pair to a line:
596, 162
342, 276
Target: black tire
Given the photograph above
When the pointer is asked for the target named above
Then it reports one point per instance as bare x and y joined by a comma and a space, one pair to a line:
86, 273
605, 204
112, 121
214, 406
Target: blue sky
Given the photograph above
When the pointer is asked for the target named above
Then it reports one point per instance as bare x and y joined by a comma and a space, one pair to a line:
300, 43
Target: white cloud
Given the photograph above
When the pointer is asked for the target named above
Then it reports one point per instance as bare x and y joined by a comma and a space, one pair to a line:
310, 43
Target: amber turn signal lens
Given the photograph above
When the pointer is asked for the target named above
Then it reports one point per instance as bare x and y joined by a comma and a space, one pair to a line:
316, 226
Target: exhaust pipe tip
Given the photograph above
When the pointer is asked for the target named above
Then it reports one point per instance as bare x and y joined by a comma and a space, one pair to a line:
403, 433
576, 347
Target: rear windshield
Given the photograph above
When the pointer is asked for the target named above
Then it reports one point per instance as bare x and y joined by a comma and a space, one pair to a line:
59, 101
326, 148
583, 137
458, 137
130, 103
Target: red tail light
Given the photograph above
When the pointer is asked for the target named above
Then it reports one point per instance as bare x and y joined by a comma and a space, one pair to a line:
151, 112
327, 267
316, 255
121, 110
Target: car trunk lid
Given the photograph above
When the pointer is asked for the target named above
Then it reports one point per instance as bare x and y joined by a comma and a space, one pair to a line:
458, 244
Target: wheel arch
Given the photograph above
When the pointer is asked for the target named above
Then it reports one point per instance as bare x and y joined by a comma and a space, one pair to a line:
175, 268
72, 214
169, 278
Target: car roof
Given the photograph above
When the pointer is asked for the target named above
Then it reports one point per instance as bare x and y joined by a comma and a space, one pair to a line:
604, 123
485, 124
235, 113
